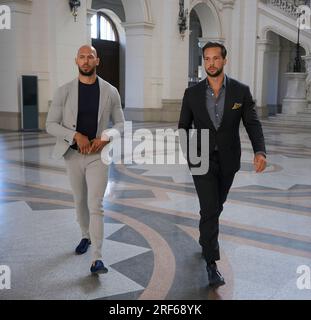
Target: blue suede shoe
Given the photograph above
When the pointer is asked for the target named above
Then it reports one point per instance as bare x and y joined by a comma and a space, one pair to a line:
83, 246
98, 267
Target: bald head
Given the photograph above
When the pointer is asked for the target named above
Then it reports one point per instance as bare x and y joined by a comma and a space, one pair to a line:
86, 49
87, 61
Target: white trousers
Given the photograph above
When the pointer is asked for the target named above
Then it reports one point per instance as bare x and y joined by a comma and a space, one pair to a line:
88, 178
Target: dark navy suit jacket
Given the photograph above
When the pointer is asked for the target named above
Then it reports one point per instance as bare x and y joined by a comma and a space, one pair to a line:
239, 105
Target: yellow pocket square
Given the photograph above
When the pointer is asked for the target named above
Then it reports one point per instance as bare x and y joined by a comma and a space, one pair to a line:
237, 106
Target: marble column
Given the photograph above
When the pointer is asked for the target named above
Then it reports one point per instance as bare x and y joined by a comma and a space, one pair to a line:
138, 73
307, 60
273, 61
261, 79
295, 100
286, 48
227, 12
16, 56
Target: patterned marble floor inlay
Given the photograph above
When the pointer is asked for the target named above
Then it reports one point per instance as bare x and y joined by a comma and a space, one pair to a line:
151, 226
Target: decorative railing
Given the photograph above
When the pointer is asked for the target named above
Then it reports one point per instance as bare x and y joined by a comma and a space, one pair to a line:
288, 7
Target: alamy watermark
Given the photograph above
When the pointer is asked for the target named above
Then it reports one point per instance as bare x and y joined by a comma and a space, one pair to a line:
162, 147
5, 278
304, 279
304, 20
5, 17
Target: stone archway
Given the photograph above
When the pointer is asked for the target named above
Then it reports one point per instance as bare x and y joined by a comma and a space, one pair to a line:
114, 10
276, 50
137, 11
133, 20
290, 35
133, 11
211, 30
195, 52
209, 19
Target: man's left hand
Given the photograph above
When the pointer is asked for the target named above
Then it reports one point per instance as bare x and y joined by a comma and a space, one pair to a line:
97, 145
260, 163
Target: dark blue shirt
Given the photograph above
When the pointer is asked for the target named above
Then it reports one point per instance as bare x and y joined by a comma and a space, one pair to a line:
88, 109
88, 106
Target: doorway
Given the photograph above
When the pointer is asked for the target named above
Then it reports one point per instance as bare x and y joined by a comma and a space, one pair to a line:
105, 40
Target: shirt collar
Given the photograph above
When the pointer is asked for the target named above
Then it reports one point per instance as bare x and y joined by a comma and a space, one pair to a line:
224, 84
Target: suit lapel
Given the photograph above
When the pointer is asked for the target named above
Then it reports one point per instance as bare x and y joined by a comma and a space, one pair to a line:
228, 101
103, 98
74, 98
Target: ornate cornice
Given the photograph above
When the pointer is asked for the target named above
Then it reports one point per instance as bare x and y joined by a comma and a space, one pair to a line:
226, 4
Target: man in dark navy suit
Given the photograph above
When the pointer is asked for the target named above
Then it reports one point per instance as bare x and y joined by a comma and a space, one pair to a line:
218, 104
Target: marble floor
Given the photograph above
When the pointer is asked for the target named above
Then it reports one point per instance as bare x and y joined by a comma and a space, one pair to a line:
151, 226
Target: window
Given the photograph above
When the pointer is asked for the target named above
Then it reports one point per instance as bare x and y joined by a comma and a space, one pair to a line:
94, 27
103, 28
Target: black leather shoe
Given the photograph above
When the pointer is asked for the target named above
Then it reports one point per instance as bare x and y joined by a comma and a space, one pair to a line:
83, 246
214, 277
98, 267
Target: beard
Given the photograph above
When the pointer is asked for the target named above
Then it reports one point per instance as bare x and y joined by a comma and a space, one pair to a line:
87, 73
216, 74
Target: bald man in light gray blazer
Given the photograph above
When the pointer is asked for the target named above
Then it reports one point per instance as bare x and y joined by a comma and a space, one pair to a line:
79, 118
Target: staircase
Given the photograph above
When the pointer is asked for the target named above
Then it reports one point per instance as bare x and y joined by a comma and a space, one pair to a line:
301, 120
286, 14
287, 7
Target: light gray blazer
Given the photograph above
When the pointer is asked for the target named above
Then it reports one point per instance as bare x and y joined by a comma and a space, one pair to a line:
62, 116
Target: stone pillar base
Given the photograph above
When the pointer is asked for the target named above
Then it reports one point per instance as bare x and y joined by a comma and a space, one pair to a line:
169, 112
42, 120
295, 99
10, 121
262, 112
293, 106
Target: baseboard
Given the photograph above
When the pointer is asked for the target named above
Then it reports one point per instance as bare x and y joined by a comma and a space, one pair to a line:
263, 112
10, 121
169, 112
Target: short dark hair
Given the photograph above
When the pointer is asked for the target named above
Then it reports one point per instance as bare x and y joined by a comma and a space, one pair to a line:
216, 45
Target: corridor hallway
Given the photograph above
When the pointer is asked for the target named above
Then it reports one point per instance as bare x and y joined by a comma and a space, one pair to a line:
151, 226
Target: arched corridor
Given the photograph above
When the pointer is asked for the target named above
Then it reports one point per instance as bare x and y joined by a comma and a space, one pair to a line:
151, 59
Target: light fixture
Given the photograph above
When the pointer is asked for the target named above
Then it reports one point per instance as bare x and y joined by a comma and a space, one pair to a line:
74, 5
182, 19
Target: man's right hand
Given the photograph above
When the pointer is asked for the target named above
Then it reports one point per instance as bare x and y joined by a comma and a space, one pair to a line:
83, 143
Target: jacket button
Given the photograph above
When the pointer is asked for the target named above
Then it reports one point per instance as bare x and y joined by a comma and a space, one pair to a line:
73, 126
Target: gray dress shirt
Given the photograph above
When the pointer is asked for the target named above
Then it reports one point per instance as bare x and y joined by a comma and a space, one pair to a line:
215, 105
